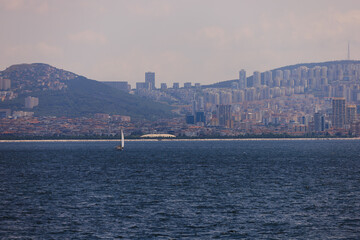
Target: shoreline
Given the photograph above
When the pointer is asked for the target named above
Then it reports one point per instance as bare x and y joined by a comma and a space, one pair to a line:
179, 140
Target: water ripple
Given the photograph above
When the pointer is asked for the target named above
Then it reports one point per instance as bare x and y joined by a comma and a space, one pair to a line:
180, 190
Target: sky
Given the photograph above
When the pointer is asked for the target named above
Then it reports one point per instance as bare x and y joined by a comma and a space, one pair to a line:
198, 41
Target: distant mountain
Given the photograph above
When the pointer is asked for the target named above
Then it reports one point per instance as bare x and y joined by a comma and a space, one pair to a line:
227, 83
62, 93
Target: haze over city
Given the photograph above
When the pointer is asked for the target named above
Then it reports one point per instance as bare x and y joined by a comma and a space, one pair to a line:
182, 41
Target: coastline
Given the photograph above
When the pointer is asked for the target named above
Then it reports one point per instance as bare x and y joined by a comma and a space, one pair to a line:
179, 140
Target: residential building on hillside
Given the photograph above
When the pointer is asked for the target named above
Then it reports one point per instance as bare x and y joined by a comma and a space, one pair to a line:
31, 102
150, 79
5, 84
121, 85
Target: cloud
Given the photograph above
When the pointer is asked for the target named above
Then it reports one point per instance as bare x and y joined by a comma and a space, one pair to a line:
12, 4
37, 6
156, 8
351, 17
88, 37
42, 49
49, 50
216, 35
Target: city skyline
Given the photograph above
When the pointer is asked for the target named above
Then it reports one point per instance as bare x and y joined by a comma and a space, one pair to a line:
179, 41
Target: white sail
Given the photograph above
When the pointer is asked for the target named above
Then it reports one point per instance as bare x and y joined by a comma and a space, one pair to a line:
122, 139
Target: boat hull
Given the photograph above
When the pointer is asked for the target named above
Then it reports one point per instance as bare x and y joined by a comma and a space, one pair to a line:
119, 148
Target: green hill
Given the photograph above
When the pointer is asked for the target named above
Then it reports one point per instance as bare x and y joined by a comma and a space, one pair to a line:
62, 93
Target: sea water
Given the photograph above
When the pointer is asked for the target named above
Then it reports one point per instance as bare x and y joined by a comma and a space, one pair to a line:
180, 190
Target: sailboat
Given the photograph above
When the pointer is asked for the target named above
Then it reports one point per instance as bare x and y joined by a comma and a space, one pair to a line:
121, 146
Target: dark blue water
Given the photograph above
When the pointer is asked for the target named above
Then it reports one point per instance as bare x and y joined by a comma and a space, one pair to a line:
181, 190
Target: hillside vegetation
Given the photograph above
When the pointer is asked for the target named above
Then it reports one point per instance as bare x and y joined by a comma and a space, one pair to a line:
62, 93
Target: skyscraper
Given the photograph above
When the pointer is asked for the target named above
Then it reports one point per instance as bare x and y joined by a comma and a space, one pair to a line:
268, 78
319, 122
256, 79
242, 79
224, 115
338, 111
150, 78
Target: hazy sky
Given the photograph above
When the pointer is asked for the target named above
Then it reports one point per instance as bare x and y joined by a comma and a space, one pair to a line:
180, 40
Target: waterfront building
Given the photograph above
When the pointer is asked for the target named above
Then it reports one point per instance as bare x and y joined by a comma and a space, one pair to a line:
190, 119
319, 122
224, 115
200, 117
350, 114
338, 112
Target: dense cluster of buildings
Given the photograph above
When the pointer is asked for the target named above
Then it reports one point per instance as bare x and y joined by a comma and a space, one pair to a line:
5, 90
298, 101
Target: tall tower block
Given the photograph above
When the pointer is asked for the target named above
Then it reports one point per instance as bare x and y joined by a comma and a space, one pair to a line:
338, 112
150, 79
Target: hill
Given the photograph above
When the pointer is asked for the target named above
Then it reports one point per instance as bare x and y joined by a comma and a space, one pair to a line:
227, 83
62, 93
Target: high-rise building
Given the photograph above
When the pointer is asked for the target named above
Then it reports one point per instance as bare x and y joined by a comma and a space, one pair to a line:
224, 115
350, 114
256, 79
190, 119
176, 85
279, 74
250, 94
338, 112
163, 86
319, 122
142, 85
268, 78
187, 85
200, 117
225, 98
150, 78
287, 74
242, 79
